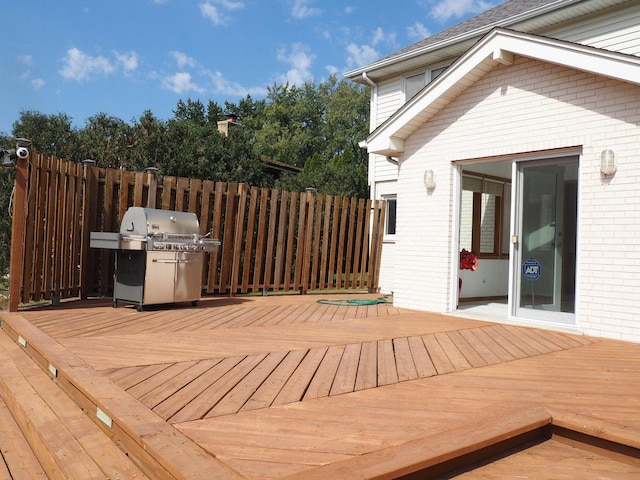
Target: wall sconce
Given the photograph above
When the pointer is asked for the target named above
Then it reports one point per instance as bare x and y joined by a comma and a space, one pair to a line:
608, 162
429, 179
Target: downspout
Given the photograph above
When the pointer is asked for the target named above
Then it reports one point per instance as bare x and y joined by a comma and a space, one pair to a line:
370, 82
373, 110
374, 97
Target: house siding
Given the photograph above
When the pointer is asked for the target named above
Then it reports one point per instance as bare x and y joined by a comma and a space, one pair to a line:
527, 107
618, 31
390, 98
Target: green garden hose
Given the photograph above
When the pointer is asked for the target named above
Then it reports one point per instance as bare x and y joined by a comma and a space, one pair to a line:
355, 302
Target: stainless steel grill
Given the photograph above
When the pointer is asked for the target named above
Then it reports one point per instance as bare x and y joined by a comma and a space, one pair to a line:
159, 256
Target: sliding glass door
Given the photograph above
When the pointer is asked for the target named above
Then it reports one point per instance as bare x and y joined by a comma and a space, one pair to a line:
545, 240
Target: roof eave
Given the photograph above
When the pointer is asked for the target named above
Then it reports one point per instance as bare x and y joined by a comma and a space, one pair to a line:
358, 75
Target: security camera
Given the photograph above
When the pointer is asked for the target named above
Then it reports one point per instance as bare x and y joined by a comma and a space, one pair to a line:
22, 152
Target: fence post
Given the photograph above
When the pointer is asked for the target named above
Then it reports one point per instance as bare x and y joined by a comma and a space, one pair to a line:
89, 217
16, 261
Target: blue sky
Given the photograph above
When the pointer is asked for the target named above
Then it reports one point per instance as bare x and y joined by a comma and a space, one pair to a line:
83, 57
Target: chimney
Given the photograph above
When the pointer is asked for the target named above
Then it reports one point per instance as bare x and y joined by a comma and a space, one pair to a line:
224, 125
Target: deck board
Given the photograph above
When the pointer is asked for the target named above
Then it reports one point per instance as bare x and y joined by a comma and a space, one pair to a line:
279, 386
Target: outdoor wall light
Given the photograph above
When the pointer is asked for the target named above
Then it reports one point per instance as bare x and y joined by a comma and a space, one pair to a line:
608, 162
429, 179
87, 162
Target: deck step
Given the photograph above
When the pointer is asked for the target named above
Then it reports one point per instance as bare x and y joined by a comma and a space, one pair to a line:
158, 449
18, 459
65, 442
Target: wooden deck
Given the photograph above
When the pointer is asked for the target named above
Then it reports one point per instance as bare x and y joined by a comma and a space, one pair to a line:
286, 387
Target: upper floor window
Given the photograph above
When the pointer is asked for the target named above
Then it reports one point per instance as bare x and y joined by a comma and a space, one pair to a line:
414, 83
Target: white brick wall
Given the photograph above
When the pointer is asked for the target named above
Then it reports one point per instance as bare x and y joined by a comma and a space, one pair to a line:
528, 107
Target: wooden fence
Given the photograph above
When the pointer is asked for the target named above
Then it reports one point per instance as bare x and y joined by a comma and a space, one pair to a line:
272, 241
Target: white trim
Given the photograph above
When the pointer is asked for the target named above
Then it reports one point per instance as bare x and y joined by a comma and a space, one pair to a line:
497, 47
550, 7
455, 237
390, 237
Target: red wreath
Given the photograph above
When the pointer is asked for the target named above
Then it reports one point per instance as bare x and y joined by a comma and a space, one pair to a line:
468, 260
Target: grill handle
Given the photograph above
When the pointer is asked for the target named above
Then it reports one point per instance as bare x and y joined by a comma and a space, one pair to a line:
171, 260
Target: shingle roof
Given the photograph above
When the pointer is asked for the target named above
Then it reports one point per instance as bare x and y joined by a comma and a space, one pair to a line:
502, 15
490, 17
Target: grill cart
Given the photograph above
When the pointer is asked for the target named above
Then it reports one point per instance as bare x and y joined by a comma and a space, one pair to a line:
159, 256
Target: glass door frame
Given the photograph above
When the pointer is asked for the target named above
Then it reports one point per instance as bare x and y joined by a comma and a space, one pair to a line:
516, 312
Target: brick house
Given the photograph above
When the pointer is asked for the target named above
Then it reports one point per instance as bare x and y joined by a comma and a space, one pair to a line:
515, 135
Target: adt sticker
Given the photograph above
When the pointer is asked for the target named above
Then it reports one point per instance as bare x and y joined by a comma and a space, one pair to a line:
531, 269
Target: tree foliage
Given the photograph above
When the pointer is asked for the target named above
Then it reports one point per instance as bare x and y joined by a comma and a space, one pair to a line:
316, 127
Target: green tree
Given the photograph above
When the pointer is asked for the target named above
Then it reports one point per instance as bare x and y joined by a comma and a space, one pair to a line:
107, 140
7, 177
346, 119
343, 175
149, 145
49, 134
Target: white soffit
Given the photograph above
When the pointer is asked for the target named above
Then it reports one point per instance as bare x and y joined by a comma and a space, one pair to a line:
498, 47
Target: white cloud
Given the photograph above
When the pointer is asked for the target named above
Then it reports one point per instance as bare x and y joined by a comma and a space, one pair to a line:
210, 12
333, 70
447, 9
418, 31
26, 60
180, 83
79, 66
228, 87
37, 83
182, 59
300, 9
359, 55
215, 10
299, 58
379, 36
128, 61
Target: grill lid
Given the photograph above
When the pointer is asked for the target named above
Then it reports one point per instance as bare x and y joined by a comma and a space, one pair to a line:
154, 222
153, 229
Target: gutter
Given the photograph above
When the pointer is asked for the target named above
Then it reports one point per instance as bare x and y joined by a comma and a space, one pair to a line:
369, 82
470, 34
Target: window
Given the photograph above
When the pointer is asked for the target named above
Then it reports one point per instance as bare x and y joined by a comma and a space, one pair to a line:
435, 73
390, 221
414, 83
484, 216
